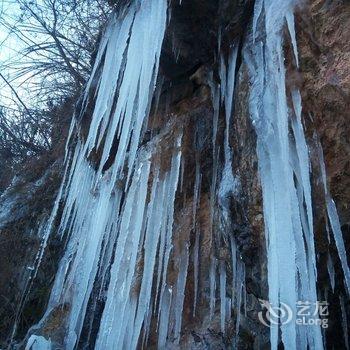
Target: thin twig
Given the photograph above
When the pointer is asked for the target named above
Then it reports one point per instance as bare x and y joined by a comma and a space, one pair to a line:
16, 94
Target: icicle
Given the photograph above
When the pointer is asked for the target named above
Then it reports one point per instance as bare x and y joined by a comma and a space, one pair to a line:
153, 230
163, 239
215, 92
157, 94
344, 322
195, 271
122, 274
227, 184
70, 134
114, 49
328, 233
284, 173
228, 308
335, 224
180, 293
170, 218
215, 96
258, 6
223, 76
234, 266
291, 29
142, 27
196, 201
146, 330
334, 221
164, 318
330, 269
213, 186
303, 156
230, 84
219, 39
227, 77
84, 265
222, 296
98, 227
196, 194
212, 279
240, 276
169, 14
182, 173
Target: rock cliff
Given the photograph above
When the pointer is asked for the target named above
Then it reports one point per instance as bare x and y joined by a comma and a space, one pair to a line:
198, 37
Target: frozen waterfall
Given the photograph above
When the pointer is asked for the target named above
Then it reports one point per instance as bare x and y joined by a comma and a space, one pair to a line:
118, 212
107, 215
284, 172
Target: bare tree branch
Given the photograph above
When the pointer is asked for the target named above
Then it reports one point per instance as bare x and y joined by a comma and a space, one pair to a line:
15, 93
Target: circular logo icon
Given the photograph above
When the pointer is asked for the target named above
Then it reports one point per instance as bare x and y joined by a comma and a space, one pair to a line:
274, 315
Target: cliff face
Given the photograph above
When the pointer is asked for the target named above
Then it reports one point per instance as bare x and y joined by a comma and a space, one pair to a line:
25, 207
205, 227
323, 29
323, 32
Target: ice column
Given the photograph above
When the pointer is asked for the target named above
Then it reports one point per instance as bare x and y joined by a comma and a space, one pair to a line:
284, 172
